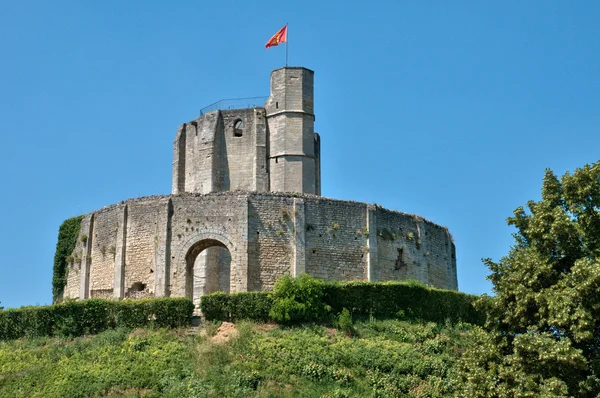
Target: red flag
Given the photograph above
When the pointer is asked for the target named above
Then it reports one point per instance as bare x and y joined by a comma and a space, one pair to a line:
279, 37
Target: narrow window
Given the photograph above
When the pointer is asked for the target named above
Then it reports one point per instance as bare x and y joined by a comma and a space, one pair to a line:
238, 127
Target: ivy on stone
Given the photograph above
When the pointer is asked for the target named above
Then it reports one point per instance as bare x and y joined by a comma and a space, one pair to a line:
67, 238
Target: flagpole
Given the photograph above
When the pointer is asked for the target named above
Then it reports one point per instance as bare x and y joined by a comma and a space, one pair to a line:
286, 44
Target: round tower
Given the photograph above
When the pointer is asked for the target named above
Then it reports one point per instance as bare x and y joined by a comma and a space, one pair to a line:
293, 144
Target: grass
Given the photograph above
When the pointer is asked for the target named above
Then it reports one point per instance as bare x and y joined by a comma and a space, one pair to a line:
389, 358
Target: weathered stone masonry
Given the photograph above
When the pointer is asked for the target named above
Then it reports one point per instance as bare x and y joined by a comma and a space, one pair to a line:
148, 246
246, 210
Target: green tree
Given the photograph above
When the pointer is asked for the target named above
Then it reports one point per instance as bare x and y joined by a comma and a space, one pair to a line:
543, 327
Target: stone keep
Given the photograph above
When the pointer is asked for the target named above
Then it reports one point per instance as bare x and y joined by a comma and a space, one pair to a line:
274, 148
246, 209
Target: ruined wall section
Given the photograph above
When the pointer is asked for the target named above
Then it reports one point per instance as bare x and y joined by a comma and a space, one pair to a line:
77, 280
336, 244
442, 258
215, 216
270, 239
201, 153
102, 244
267, 235
73, 279
410, 247
179, 151
144, 221
261, 143
238, 156
222, 151
73, 287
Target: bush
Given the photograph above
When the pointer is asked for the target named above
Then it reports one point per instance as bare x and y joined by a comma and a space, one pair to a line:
298, 300
76, 318
253, 306
344, 322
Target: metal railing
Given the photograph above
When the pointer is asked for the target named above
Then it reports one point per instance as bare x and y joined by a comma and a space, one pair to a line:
235, 103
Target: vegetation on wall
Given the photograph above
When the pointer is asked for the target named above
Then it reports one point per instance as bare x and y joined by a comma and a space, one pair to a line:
67, 238
544, 320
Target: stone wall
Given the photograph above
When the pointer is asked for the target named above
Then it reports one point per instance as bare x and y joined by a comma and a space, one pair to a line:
222, 151
336, 239
101, 242
152, 246
270, 239
258, 149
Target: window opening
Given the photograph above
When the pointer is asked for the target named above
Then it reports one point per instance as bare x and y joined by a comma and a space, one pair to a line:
138, 287
238, 127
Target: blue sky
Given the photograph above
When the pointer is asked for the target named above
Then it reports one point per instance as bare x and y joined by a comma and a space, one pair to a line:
449, 110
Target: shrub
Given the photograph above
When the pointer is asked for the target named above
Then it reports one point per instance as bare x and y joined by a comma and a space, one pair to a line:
344, 322
298, 300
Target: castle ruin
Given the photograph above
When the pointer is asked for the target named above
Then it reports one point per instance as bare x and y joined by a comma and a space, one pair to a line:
246, 209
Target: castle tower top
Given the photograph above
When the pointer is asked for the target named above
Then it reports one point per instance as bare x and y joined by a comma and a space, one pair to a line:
293, 144
292, 90
273, 148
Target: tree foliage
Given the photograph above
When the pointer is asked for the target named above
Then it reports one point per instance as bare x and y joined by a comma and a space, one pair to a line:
544, 320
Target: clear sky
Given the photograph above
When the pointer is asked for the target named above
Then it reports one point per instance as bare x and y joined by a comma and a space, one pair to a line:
447, 109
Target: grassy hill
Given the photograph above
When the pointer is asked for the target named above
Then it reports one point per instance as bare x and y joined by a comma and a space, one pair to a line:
384, 358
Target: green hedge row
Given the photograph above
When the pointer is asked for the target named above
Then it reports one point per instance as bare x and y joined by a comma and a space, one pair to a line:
77, 318
408, 299
67, 238
363, 299
253, 306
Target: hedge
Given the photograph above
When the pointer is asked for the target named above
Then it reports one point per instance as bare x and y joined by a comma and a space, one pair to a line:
363, 299
406, 299
253, 306
77, 318
67, 238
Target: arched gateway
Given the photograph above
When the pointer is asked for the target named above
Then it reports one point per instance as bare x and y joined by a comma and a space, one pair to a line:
209, 266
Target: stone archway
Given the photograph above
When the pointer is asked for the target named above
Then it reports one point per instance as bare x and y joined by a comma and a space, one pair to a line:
209, 269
